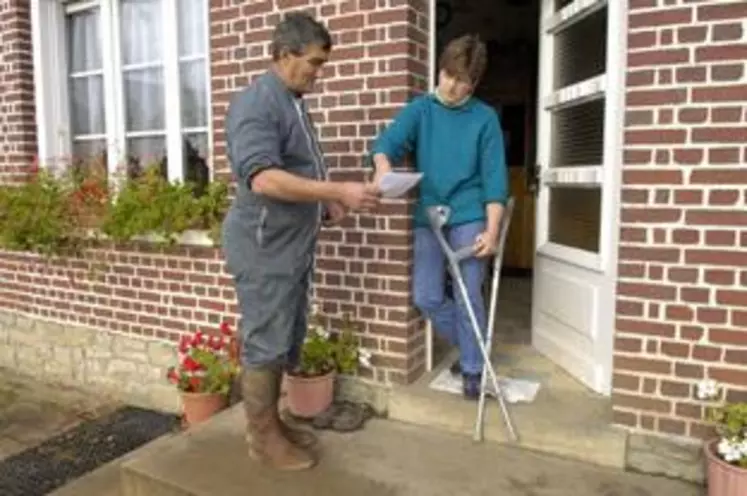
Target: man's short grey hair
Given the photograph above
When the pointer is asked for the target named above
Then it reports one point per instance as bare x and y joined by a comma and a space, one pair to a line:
297, 31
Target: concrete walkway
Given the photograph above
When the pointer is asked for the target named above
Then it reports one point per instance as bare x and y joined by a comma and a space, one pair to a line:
387, 458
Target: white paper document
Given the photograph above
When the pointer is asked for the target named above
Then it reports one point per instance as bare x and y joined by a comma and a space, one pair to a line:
395, 184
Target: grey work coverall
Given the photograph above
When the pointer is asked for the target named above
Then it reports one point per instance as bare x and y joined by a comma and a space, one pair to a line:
269, 244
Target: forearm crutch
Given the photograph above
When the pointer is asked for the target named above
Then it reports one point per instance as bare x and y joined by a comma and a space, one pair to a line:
438, 216
493, 309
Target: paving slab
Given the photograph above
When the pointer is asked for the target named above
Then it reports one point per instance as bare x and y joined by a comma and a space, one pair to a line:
387, 458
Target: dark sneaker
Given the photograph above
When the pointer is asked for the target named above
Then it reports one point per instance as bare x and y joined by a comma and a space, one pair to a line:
456, 368
471, 386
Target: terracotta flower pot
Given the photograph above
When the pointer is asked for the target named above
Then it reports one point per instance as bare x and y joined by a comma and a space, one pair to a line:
307, 397
199, 407
724, 479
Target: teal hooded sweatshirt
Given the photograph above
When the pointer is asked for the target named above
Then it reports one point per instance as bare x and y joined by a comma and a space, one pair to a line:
460, 151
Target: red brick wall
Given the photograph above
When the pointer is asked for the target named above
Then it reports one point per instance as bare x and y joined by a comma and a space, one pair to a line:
17, 129
379, 59
682, 302
139, 289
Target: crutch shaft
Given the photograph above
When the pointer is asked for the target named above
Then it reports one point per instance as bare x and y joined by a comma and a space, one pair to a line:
481, 345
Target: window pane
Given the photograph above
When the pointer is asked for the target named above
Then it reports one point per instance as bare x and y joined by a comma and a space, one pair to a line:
89, 151
87, 105
142, 31
146, 152
581, 50
192, 18
84, 41
578, 135
194, 93
575, 217
195, 160
144, 100
89, 159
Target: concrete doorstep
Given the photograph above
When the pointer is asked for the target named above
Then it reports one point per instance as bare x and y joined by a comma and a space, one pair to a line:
386, 458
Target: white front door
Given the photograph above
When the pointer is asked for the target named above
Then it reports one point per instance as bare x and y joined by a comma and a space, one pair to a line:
578, 155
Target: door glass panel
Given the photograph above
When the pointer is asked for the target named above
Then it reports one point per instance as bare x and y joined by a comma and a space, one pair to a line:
581, 50
575, 217
578, 135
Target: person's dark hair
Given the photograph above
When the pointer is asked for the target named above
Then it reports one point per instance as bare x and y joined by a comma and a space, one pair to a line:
466, 58
296, 31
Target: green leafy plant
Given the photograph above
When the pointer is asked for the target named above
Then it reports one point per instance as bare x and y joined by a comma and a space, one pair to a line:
148, 203
324, 351
49, 213
213, 204
58, 212
730, 423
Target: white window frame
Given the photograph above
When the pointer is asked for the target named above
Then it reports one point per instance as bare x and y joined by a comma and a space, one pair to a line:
48, 35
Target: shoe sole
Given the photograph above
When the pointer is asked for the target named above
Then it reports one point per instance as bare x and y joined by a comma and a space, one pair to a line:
285, 468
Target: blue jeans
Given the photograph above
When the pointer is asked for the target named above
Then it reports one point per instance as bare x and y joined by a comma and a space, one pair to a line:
448, 317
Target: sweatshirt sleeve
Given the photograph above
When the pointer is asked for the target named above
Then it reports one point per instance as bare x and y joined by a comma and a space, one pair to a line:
493, 162
400, 136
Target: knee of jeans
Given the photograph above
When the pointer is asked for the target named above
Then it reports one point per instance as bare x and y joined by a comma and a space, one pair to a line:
426, 301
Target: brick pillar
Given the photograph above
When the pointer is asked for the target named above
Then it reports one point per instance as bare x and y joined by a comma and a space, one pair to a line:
379, 60
682, 303
17, 126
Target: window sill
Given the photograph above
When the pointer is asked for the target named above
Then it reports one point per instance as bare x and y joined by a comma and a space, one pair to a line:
191, 238
187, 238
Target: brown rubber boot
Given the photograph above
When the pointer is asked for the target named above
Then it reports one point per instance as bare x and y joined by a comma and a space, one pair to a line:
260, 391
299, 436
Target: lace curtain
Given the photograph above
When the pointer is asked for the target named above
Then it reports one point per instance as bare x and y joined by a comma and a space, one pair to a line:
142, 82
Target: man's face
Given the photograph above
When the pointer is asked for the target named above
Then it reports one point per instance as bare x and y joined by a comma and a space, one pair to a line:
452, 90
300, 72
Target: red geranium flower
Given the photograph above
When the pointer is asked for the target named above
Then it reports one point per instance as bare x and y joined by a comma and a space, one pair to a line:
190, 364
225, 328
172, 375
216, 343
184, 344
195, 382
197, 339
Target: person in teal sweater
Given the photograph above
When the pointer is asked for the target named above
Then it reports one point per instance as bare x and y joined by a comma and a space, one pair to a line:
457, 144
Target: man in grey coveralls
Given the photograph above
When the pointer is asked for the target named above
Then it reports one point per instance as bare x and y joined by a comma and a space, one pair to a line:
270, 232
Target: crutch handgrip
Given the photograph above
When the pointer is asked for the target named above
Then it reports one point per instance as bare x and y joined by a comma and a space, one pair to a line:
464, 253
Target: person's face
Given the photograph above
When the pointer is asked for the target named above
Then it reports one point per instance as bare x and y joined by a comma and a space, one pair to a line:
453, 90
300, 72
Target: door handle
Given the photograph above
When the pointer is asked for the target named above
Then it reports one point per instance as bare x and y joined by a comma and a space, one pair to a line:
533, 177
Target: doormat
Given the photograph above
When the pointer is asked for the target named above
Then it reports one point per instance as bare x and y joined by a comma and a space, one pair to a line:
514, 390
85, 447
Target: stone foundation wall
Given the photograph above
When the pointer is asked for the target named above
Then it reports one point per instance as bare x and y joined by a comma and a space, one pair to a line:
128, 368
123, 366
657, 454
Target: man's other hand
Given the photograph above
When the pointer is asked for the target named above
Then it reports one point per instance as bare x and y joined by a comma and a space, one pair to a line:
359, 196
335, 213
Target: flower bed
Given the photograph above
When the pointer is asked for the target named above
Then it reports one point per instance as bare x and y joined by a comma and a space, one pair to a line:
60, 212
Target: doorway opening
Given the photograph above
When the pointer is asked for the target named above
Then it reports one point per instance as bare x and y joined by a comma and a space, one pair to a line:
547, 78
555, 76
510, 30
